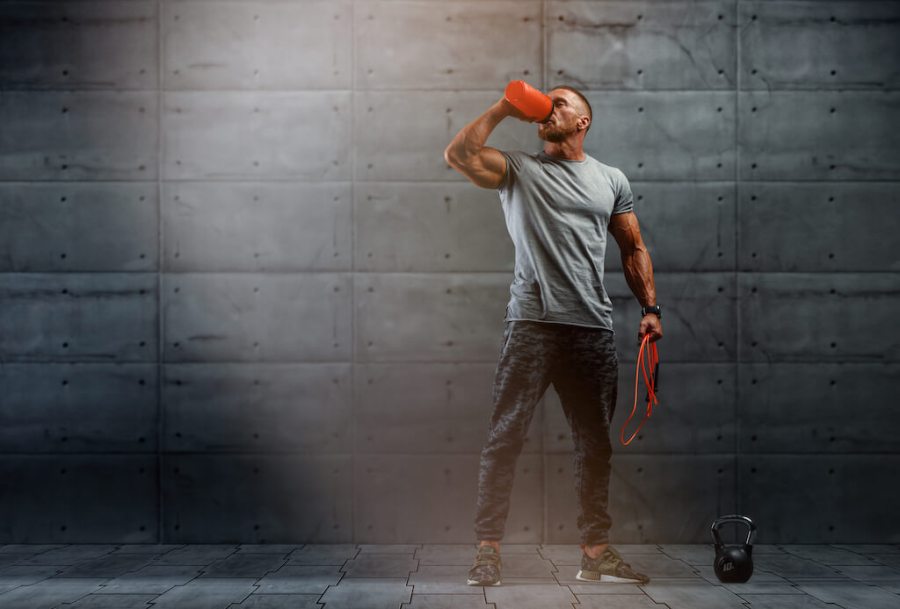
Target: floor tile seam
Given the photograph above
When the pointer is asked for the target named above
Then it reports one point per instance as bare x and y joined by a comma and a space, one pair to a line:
249, 594
797, 592
378, 577
896, 587
320, 562
827, 602
197, 573
258, 578
820, 562
124, 573
409, 577
106, 578
879, 563
315, 564
605, 594
840, 549
484, 596
321, 599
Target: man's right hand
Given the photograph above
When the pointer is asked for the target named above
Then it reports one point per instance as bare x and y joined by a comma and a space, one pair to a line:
511, 110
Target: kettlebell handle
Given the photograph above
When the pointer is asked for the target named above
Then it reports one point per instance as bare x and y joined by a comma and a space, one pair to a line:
732, 518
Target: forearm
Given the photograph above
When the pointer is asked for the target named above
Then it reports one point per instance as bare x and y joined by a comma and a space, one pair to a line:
472, 138
639, 274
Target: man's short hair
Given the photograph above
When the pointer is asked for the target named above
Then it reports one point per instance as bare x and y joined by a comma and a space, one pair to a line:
590, 111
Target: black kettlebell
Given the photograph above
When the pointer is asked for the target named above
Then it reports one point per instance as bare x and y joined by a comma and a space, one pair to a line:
733, 564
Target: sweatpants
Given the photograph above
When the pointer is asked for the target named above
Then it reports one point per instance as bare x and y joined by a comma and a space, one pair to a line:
581, 364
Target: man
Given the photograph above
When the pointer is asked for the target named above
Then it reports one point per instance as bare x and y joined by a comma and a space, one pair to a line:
559, 205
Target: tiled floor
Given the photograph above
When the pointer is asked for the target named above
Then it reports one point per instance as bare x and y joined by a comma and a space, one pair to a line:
433, 577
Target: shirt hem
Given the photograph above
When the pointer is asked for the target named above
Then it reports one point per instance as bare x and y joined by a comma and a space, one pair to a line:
565, 323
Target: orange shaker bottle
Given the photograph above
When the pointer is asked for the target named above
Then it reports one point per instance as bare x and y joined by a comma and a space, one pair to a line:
529, 100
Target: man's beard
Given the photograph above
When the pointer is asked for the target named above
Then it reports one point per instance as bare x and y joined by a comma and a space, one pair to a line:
555, 134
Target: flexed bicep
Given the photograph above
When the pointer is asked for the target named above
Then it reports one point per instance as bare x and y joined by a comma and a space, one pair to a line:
486, 169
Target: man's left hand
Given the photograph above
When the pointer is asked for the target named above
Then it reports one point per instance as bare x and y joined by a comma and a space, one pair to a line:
652, 325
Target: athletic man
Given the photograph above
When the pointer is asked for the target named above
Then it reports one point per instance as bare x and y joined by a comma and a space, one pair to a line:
558, 204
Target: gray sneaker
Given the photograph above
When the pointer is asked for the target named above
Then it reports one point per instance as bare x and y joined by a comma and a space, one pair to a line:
609, 567
486, 570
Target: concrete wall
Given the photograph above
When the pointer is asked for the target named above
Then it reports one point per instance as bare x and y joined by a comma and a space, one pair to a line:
243, 298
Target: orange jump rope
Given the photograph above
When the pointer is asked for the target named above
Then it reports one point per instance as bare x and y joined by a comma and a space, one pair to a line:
648, 358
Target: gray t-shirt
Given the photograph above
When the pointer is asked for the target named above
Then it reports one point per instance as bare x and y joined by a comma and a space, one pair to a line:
557, 213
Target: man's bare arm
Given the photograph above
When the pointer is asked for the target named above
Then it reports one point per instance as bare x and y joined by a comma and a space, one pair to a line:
638, 271
482, 165
635, 258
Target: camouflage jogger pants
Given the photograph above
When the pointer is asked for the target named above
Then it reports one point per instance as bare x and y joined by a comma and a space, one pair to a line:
581, 364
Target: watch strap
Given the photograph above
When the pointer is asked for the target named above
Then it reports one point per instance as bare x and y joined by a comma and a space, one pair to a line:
655, 309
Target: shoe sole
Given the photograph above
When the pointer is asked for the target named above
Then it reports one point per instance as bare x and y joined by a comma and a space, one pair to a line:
472, 582
607, 579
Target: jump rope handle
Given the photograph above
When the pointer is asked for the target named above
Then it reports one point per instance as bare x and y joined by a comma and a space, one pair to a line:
650, 380
655, 382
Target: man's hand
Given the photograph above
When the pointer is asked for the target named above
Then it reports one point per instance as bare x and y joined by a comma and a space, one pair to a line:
652, 325
511, 110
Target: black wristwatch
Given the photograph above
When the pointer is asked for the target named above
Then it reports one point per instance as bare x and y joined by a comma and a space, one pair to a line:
652, 309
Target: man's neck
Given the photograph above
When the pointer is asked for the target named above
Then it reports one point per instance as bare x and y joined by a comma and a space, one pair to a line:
568, 151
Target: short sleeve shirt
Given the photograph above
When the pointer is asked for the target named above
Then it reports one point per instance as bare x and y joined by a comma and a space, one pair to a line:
557, 212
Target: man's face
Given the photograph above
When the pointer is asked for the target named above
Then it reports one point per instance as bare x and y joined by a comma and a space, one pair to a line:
567, 109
